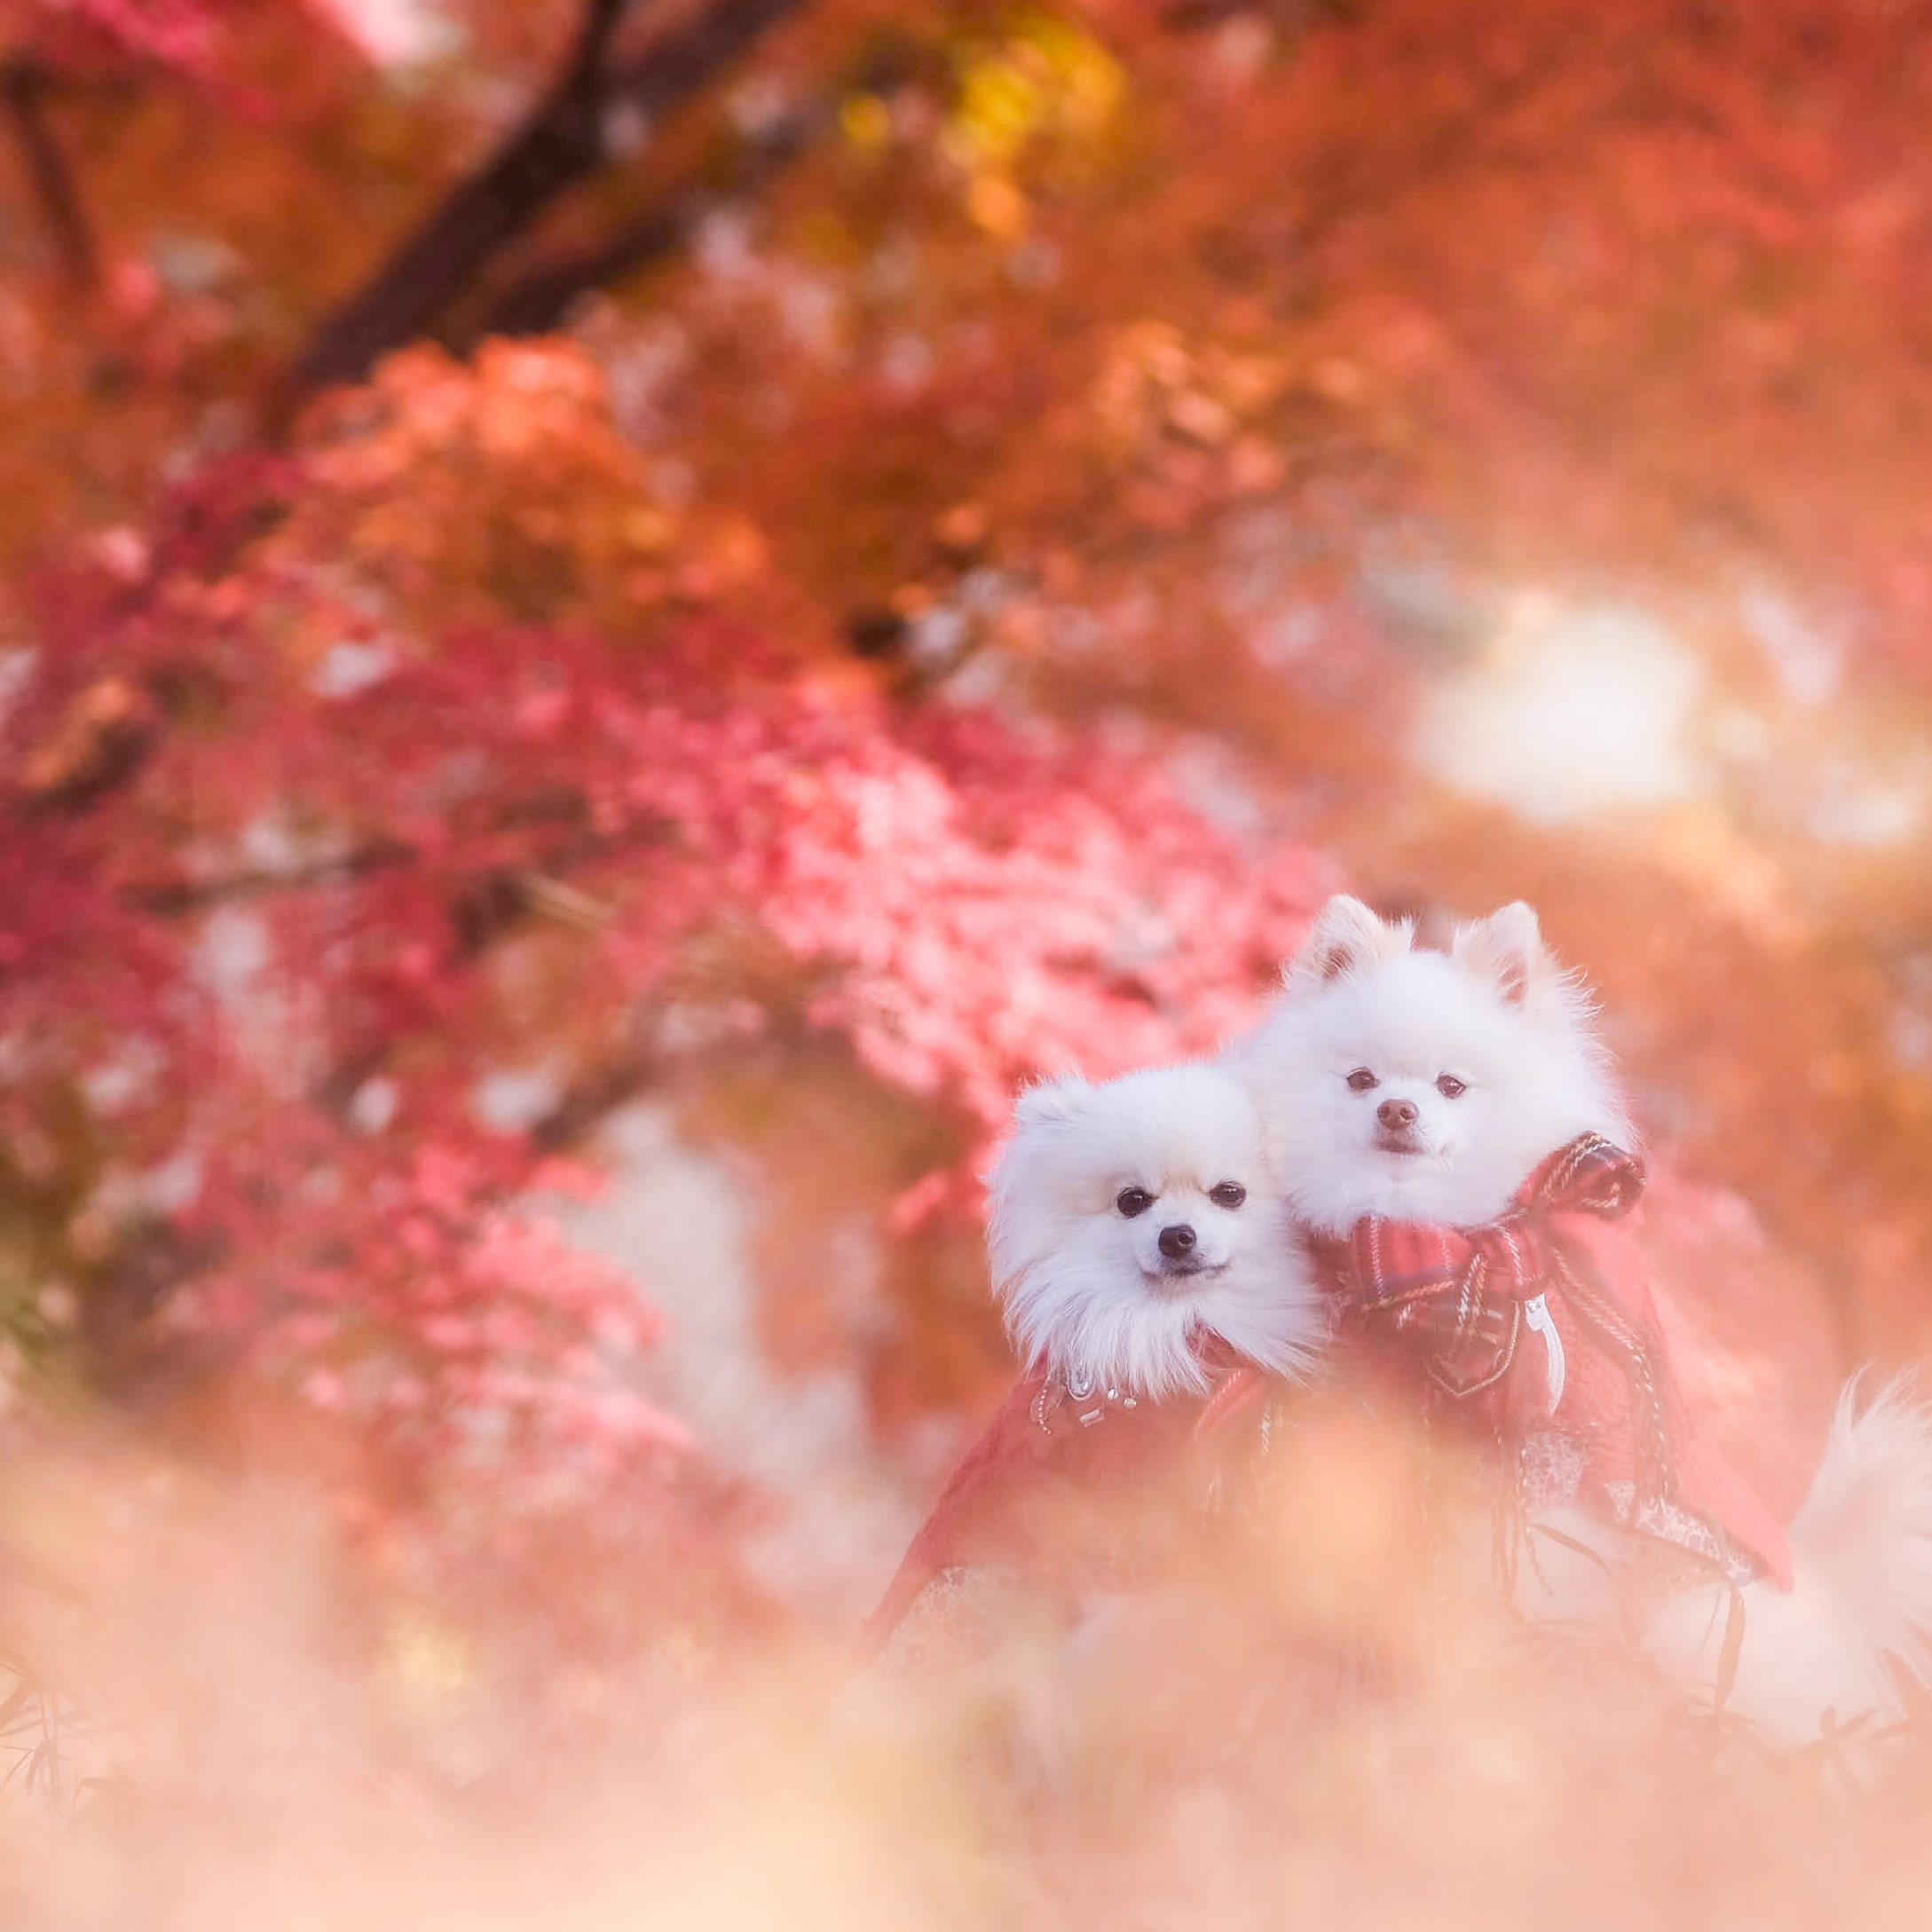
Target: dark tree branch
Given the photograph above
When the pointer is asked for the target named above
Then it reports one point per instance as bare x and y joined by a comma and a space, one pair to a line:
537, 301
177, 898
579, 77
558, 142
679, 64
593, 1101
23, 91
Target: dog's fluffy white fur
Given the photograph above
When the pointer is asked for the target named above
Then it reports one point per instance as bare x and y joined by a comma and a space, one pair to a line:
1488, 1054
1841, 1646
1489, 1046
1093, 1178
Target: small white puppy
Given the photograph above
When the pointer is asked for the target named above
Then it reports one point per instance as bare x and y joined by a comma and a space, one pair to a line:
1425, 1086
1133, 1219
1134, 1222
1428, 1086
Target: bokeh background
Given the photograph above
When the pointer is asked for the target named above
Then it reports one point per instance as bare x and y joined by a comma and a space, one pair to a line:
615, 618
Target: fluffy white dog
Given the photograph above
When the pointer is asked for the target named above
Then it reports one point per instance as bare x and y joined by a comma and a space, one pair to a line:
1135, 1218
1428, 1087
1425, 1086
1143, 1251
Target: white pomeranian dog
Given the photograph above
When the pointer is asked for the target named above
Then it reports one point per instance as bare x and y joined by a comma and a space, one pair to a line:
1133, 1219
1143, 1251
1427, 1086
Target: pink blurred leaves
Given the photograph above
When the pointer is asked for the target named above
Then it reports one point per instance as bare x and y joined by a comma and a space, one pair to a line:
300, 898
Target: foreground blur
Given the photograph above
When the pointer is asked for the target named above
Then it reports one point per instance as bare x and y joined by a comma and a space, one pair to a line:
1325, 1720
919, 565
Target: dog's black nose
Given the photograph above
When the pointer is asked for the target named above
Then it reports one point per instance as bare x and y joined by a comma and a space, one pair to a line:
1177, 1240
1396, 1114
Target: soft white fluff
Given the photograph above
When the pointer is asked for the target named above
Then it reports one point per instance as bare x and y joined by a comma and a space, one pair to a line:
1832, 1649
1086, 1287
1496, 1015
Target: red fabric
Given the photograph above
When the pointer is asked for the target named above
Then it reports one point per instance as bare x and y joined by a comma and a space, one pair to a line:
1077, 1505
1456, 1292
1454, 1304
1707, 1484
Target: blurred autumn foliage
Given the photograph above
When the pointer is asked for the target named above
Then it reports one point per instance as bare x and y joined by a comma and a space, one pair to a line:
805, 562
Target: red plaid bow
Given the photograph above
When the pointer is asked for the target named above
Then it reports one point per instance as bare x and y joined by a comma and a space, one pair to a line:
1457, 1295
1458, 1301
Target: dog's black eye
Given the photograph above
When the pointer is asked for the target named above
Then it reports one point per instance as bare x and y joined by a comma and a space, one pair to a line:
1228, 1194
1133, 1201
1361, 1080
1448, 1086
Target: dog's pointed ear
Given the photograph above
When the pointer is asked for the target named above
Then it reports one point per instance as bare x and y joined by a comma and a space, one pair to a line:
1508, 948
1053, 1103
1346, 938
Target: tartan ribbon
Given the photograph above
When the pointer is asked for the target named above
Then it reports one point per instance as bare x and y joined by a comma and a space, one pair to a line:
1393, 1264
1455, 1297
1456, 1294
1459, 1305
